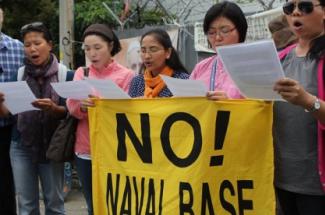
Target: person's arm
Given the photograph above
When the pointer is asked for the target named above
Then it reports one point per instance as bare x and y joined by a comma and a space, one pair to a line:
49, 106
293, 92
134, 89
46, 104
76, 107
127, 81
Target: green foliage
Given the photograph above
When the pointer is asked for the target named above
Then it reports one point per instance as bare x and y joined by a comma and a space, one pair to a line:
17, 13
152, 17
88, 12
20, 12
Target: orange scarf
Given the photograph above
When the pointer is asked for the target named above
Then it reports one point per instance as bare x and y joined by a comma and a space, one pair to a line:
154, 85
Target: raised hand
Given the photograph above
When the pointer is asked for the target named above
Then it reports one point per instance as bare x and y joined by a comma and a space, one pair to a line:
85, 103
293, 92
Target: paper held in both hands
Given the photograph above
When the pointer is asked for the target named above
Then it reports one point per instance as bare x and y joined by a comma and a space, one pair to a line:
254, 67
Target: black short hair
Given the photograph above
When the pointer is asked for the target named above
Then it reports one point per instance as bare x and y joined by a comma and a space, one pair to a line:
230, 11
36, 27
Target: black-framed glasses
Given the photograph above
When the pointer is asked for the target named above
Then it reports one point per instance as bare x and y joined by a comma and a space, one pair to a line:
306, 7
29, 26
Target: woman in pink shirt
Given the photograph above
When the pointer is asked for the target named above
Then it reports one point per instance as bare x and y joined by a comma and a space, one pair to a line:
224, 24
100, 45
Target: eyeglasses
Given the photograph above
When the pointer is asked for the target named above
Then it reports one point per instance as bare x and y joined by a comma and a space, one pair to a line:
150, 50
222, 32
29, 26
306, 7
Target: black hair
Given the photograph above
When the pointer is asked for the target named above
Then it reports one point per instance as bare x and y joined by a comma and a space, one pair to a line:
36, 27
230, 11
106, 33
317, 47
163, 38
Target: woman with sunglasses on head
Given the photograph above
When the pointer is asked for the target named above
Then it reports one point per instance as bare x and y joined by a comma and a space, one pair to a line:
100, 45
224, 24
159, 58
298, 125
35, 128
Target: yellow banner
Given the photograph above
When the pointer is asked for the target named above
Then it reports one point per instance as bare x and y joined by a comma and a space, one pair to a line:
182, 156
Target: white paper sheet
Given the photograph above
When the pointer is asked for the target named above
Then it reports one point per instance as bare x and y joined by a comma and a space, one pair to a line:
73, 89
254, 67
18, 96
107, 89
185, 88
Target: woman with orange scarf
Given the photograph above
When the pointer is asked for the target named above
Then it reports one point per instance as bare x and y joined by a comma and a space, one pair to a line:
159, 58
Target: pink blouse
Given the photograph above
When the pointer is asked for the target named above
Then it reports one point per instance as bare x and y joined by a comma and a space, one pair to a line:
223, 81
115, 72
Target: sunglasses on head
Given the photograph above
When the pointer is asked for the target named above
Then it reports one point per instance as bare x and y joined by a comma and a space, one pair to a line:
306, 7
32, 25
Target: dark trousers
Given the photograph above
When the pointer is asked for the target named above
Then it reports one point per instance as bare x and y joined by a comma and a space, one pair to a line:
300, 204
84, 174
7, 191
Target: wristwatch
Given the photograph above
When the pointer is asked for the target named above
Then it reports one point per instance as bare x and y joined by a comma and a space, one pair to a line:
315, 107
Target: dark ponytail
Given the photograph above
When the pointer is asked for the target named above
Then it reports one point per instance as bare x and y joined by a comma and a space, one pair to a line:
163, 38
174, 62
317, 48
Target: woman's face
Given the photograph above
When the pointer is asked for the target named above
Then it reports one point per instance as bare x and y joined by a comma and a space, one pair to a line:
98, 51
37, 49
222, 32
307, 25
153, 54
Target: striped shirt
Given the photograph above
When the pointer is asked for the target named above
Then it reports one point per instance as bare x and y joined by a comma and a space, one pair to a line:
11, 58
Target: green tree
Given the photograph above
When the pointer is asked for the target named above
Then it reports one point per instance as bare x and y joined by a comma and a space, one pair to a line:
86, 13
89, 12
17, 13
20, 12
